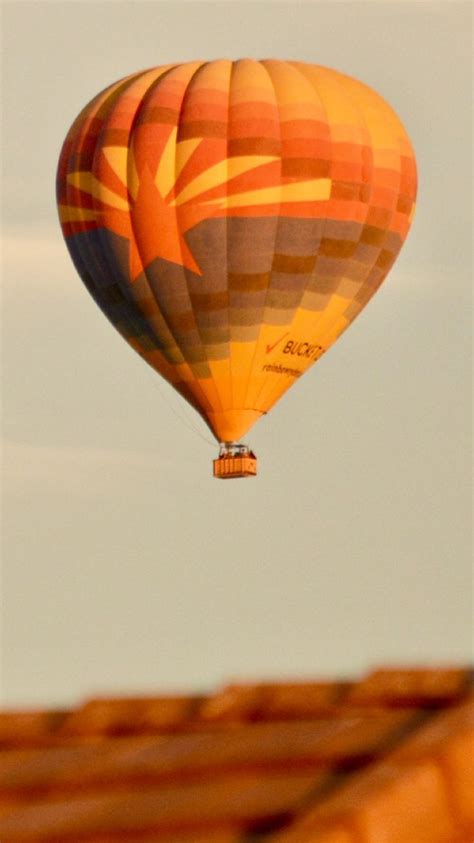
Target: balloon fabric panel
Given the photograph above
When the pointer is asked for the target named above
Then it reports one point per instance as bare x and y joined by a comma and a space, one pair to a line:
231, 219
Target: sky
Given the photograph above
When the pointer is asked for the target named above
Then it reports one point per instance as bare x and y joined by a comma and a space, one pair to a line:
126, 568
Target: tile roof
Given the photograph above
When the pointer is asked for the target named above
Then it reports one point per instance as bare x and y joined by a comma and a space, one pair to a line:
388, 759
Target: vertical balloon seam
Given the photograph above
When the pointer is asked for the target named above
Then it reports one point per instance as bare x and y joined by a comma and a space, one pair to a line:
259, 398
362, 117
122, 83
263, 308
61, 191
190, 384
84, 248
69, 146
90, 266
371, 185
314, 86
175, 351
114, 87
158, 72
227, 218
136, 320
362, 122
139, 319
225, 184
131, 141
193, 78
367, 207
169, 352
324, 107
387, 229
275, 393
227, 226
182, 345
279, 394
86, 116
277, 232
195, 384
178, 228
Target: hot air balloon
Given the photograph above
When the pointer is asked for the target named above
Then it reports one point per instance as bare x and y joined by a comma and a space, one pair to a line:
231, 219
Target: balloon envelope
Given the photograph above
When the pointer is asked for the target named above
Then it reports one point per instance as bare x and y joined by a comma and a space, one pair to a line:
232, 219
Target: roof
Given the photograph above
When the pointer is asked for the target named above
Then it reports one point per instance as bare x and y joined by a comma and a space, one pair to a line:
387, 759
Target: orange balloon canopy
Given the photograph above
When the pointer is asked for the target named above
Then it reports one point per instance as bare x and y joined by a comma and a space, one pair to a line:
231, 219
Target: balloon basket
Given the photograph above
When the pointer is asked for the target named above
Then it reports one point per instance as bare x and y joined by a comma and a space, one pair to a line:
234, 461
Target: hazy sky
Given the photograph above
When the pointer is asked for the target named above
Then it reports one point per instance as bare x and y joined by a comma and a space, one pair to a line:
126, 567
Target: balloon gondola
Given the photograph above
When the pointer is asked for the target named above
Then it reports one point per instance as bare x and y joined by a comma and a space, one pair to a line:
231, 219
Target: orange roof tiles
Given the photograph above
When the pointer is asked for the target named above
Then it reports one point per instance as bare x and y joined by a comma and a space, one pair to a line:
389, 759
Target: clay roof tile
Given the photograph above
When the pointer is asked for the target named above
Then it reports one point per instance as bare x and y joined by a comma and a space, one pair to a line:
389, 758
